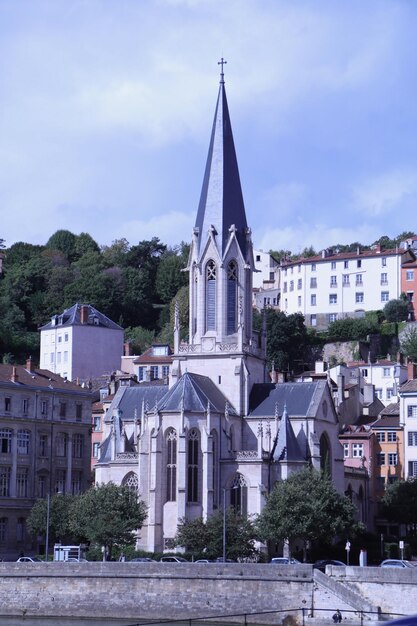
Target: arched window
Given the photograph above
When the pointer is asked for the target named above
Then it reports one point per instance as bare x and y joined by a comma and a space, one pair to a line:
192, 469
325, 458
231, 313
239, 495
211, 296
131, 481
171, 446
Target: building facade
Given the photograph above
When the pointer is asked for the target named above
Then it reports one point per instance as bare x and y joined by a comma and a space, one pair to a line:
219, 433
44, 447
80, 344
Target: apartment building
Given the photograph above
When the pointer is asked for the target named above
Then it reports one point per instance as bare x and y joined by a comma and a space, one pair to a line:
44, 447
408, 420
385, 375
266, 279
335, 285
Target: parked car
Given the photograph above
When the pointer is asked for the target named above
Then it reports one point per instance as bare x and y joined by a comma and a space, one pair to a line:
321, 564
396, 563
173, 559
29, 559
283, 560
204, 561
73, 559
142, 559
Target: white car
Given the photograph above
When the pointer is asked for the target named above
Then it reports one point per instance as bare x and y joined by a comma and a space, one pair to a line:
29, 559
396, 563
283, 560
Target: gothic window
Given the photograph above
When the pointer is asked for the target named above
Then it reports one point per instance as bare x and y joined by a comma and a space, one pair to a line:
211, 296
23, 439
231, 297
131, 481
171, 445
239, 495
192, 461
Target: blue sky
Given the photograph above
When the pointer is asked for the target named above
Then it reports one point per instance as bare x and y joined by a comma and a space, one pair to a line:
106, 109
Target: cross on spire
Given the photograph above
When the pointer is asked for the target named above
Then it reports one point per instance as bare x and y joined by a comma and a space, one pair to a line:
222, 62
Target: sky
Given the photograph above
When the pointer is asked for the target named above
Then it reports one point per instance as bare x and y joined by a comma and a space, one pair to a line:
106, 108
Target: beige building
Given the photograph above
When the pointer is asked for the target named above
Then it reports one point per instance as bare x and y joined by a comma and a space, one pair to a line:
45, 425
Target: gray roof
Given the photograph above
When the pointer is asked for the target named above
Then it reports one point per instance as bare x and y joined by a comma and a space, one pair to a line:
301, 399
194, 393
131, 399
72, 317
286, 447
221, 202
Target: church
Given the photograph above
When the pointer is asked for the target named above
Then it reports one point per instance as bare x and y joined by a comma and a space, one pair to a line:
220, 433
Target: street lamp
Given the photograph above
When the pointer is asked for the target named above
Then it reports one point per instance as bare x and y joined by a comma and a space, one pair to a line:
48, 511
224, 519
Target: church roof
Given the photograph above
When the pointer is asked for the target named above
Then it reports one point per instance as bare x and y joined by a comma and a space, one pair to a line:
286, 447
194, 393
131, 399
221, 202
301, 399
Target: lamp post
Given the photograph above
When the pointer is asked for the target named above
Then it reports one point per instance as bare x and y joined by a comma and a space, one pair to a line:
224, 519
48, 511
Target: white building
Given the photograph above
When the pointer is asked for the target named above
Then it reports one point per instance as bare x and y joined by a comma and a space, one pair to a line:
81, 343
385, 375
219, 433
334, 285
266, 290
408, 419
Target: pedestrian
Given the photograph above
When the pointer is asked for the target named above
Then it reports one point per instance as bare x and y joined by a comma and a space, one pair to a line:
337, 617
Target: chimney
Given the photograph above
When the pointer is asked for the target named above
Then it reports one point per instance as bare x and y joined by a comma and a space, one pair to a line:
319, 367
411, 370
29, 365
127, 349
14, 377
340, 387
84, 314
358, 250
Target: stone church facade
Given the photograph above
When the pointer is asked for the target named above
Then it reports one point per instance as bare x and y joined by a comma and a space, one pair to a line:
220, 432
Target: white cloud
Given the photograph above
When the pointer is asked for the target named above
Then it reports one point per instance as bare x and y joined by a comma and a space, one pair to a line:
171, 228
386, 193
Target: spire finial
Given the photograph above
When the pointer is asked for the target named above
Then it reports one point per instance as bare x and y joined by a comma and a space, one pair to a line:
222, 62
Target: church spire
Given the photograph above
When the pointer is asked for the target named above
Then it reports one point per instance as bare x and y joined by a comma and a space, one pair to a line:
221, 202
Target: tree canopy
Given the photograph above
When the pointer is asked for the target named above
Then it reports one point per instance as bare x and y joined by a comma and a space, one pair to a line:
306, 506
408, 343
396, 310
399, 502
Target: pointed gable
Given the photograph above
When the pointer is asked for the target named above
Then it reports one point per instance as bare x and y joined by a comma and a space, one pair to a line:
195, 393
286, 447
221, 202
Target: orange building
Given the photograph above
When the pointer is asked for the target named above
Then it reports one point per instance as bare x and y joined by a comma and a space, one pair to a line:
409, 278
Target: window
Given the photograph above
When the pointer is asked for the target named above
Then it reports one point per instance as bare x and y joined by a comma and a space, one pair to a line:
66, 337
62, 409
5, 481
392, 436
359, 279
65, 357
380, 483
22, 482
313, 282
313, 267
5, 440
258, 258
59, 338
43, 445
171, 441
384, 278
359, 263
332, 317
346, 279
78, 411
386, 371
333, 281
333, 265
409, 275
357, 450
231, 313
61, 475
412, 438
392, 458
44, 407
7, 404
412, 410
77, 446
359, 297
141, 373
364, 372
3, 529
378, 393
41, 486
299, 267
193, 453
412, 469
52, 357
285, 287
313, 299
313, 320
20, 529
96, 449
61, 445
384, 261
154, 372
380, 458
23, 439
384, 296
392, 479
380, 437
291, 285
299, 301
291, 270
333, 298
211, 296
25, 406
58, 358
299, 283
96, 423
165, 371
390, 393
346, 264
346, 450
76, 481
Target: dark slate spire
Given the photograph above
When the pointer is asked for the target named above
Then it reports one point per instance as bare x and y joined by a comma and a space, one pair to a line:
286, 447
221, 201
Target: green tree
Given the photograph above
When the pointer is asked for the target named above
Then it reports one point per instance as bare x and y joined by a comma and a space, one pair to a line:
108, 515
64, 241
287, 339
396, 310
306, 506
59, 518
169, 276
140, 338
206, 538
399, 503
408, 343
85, 243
